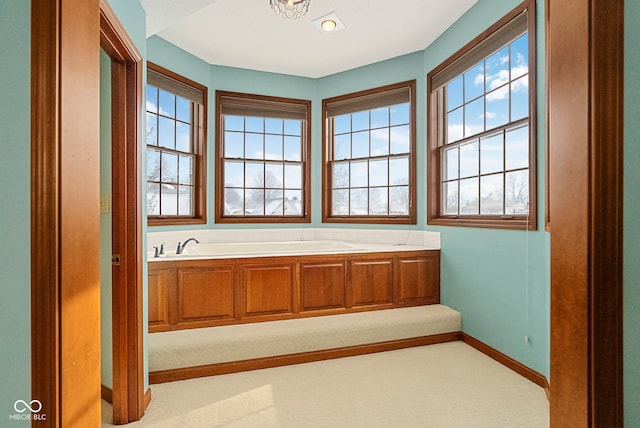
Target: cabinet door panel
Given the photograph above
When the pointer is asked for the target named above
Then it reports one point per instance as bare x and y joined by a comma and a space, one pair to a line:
418, 281
322, 285
371, 282
268, 289
205, 294
158, 297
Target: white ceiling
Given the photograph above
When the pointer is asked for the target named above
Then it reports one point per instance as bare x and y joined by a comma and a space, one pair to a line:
247, 34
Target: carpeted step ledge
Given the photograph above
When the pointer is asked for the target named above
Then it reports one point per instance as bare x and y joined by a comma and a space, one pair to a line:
198, 352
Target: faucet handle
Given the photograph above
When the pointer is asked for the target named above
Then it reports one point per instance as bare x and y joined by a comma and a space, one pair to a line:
156, 254
179, 249
162, 248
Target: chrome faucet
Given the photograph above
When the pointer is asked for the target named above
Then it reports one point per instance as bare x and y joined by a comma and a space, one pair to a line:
180, 248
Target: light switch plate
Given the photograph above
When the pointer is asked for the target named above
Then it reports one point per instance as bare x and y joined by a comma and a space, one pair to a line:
105, 204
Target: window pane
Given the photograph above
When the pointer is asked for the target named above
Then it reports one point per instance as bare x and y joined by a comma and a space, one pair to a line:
274, 202
491, 154
340, 175
167, 104
293, 127
359, 176
450, 196
399, 171
183, 109
380, 117
360, 120
520, 57
497, 69
400, 139
520, 98
166, 132
491, 194
342, 124
517, 148
474, 117
169, 197
450, 159
517, 192
378, 204
233, 174
469, 159
342, 146
455, 126
340, 202
253, 146
234, 123
233, 145
254, 175
186, 170
497, 113
153, 165
169, 168
292, 202
254, 124
399, 200
183, 137
293, 176
360, 145
152, 99
185, 200
293, 149
378, 173
274, 176
273, 126
233, 202
152, 129
255, 202
273, 147
380, 142
399, 114
474, 82
359, 202
454, 94
469, 196
153, 199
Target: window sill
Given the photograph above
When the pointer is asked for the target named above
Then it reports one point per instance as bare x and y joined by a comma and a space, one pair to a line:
175, 221
514, 223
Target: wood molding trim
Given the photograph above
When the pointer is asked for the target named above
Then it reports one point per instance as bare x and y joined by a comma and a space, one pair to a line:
106, 393
585, 128
126, 79
304, 357
64, 269
507, 361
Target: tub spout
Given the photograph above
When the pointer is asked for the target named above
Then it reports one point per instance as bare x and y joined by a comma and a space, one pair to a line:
180, 248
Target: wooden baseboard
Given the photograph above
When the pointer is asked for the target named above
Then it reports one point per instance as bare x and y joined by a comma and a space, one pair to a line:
106, 394
508, 362
171, 375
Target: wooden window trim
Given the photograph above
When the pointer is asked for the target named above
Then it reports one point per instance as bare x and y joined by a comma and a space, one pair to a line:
434, 198
288, 108
200, 149
367, 99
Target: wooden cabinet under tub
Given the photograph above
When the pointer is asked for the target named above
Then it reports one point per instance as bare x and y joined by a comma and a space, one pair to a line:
205, 293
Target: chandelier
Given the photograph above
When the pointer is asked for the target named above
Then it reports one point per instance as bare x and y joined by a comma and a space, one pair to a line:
290, 9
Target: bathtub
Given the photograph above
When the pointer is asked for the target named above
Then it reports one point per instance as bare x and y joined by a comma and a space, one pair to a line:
217, 250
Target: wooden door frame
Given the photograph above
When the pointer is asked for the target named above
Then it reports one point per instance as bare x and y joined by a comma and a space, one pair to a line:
65, 229
128, 395
585, 44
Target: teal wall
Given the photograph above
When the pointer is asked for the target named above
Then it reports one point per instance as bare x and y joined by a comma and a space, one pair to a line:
106, 342
631, 309
15, 264
499, 280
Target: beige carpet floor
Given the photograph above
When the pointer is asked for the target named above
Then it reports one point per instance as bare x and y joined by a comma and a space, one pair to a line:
445, 385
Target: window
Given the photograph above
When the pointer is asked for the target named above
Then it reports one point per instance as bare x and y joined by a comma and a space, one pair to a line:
262, 158
175, 136
369, 167
482, 130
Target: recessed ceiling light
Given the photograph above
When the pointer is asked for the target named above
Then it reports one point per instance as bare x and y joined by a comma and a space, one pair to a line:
328, 23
